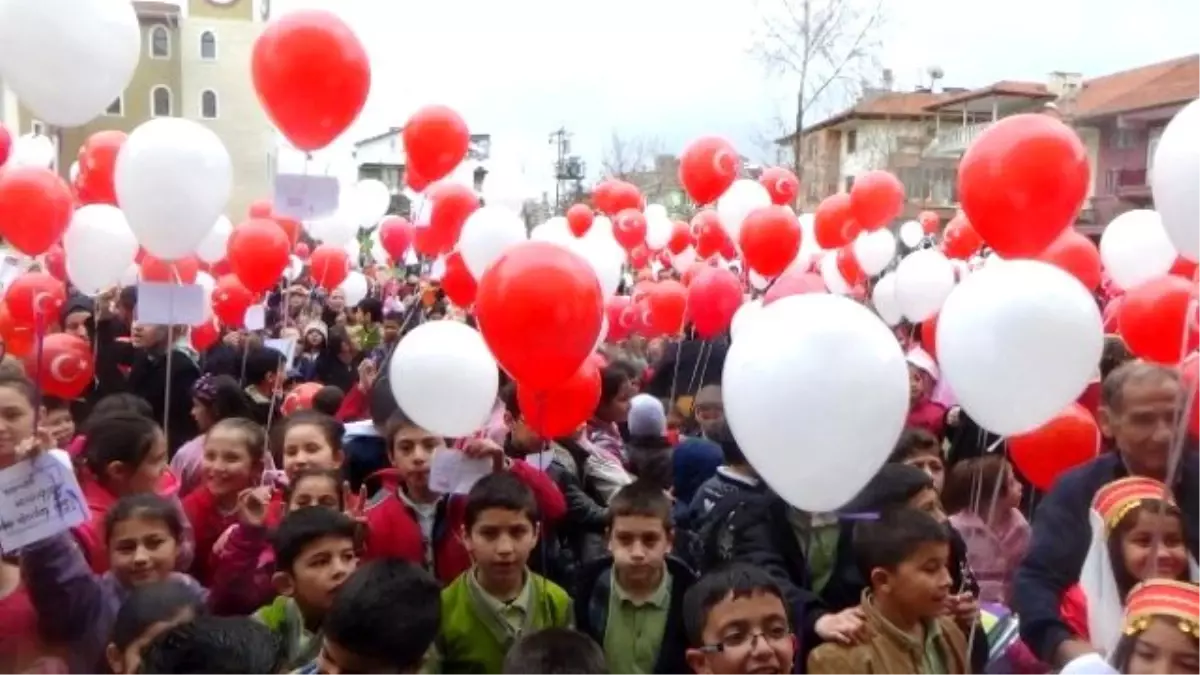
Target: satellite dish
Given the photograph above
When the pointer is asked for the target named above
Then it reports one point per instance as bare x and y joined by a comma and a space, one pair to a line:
936, 72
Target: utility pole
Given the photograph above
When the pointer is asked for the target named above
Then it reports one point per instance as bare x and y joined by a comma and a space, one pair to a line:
561, 138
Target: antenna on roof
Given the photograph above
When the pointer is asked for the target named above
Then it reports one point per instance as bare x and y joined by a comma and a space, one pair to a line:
935, 74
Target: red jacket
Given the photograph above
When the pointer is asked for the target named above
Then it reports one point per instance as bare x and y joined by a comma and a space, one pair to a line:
91, 536
393, 531
208, 524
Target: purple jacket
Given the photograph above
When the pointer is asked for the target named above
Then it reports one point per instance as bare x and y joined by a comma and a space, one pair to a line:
241, 582
75, 606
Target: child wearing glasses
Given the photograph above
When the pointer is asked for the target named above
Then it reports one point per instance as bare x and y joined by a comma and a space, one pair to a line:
737, 622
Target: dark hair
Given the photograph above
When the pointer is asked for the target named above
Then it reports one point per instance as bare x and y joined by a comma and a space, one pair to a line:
891, 487
641, 498
730, 450
151, 604
1112, 391
261, 362
894, 537
389, 612
251, 431
737, 580
21, 384
147, 506
1114, 354
394, 316
227, 399
121, 403
613, 378
338, 336
397, 422
300, 528
1116, 551
219, 645
328, 400
54, 403
121, 437
331, 429
502, 491
914, 442
373, 308
975, 479
332, 475
556, 651
508, 396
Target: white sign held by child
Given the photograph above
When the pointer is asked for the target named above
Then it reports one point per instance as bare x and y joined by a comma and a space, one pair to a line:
452, 472
39, 498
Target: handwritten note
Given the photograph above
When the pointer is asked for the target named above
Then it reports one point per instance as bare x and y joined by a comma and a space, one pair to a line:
305, 197
452, 472
171, 304
39, 498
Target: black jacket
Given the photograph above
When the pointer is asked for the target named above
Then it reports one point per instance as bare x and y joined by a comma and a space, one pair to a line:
148, 379
591, 610
579, 536
1060, 542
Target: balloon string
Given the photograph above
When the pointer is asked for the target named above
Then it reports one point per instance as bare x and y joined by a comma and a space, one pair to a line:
977, 481
170, 353
39, 327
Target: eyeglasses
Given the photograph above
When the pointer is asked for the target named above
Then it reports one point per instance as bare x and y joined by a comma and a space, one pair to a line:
740, 641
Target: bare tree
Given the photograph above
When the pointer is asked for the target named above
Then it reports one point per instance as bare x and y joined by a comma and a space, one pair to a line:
628, 157
825, 47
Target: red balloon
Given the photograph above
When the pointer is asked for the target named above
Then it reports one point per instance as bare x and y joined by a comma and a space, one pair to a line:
539, 308
929, 336
35, 208
457, 281
930, 221
619, 310
579, 219
960, 240
1069, 439
1154, 316
220, 268
613, 196
299, 398
329, 266
1022, 182
205, 335
560, 410
1111, 315
261, 208
770, 239
681, 237
290, 227
435, 141
833, 222
639, 257
1190, 370
301, 250
629, 228
1182, 267
18, 338
415, 180
312, 76
876, 199
707, 167
66, 367
55, 262
97, 162
182, 271
230, 300
794, 282
1075, 253
258, 251
33, 295
713, 297
450, 204
781, 184
848, 266
710, 235
396, 235
668, 302
6, 142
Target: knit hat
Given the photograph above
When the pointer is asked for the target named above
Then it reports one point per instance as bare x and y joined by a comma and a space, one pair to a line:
647, 419
921, 360
318, 326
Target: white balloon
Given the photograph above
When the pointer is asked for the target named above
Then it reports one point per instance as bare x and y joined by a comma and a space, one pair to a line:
294, 268
213, 248
874, 250
883, 298
1017, 342
656, 211
658, 231
378, 252
33, 150
555, 231
355, 288
437, 269
354, 252
337, 229
173, 179
1174, 177
73, 172
911, 233
1135, 248
798, 382
99, 247
832, 276
128, 278
68, 60
371, 200
682, 261
507, 187
739, 200
758, 282
602, 252
444, 378
809, 248
745, 315
487, 234
923, 281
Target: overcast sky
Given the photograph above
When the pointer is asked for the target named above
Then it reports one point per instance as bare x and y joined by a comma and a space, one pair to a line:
670, 70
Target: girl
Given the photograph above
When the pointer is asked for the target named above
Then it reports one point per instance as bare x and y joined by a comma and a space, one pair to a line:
78, 607
214, 398
338, 364
923, 411
997, 535
605, 465
233, 462
310, 440
1162, 624
312, 346
149, 612
1137, 535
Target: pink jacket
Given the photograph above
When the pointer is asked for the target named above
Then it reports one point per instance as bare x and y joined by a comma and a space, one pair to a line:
994, 550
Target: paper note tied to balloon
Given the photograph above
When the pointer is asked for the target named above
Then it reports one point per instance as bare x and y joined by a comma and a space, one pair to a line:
305, 197
167, 304
39, 498
452, 472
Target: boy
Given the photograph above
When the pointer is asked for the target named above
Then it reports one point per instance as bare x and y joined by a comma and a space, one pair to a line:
57, 420
632, 603
735, 475
737, 622
368, 315
264, 371
556, 650
904, 556
383, 621
921, 449
315, 552
211, 644
393, 322
491, 605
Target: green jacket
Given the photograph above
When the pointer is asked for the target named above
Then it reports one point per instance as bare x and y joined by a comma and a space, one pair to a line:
283, 617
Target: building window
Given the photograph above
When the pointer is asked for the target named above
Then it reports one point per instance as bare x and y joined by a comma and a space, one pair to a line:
852, 141
37, 128
160, 42
1123, 139
160, 102
849, 183
208, 46
208, 104
116, 108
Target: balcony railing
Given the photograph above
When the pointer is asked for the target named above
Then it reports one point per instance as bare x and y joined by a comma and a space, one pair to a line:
1125, 182
955, 140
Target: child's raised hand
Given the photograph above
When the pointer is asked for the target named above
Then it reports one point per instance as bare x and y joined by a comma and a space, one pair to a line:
253, 504
964, 607
355, 505
847, 627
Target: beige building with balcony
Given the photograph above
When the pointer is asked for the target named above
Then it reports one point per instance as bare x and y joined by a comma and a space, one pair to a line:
195, 64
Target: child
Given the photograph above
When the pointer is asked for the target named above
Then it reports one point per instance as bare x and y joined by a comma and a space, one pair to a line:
632, 603
904, 555
1162, 624
218, 645
214, 398
919, 448
737, 622
78, 607
311, 440
923, 411
264, 371
149, 612
556, 650
734, 475
315, 552
384, 620
233, 462
409, 521
648, 447
996, 534
57, 420
492, 604
328, 400
393, 323
1137, 535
